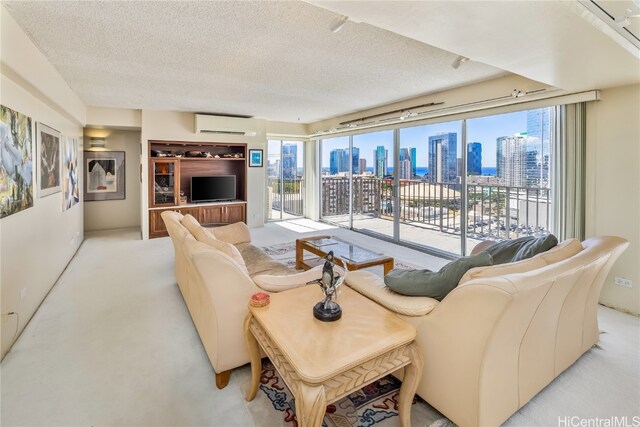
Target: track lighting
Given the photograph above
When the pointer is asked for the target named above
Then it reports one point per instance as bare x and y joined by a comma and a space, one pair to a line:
339, 23
458, 61
625, 20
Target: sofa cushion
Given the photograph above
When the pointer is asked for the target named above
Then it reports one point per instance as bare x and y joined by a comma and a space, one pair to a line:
519, 249
258, 262
434, 284
235, 233
203, 235
191, 224
372, 286
502, 269
564, 250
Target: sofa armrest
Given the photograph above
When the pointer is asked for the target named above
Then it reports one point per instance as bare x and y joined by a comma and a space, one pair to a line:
373, 287
233, 233
279, 283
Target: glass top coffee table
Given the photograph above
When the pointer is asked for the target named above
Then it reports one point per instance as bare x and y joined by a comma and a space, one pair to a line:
347, 255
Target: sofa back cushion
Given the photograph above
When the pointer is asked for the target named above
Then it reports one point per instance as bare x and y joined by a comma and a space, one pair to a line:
191, 224
235, 233
564, 250
203, 235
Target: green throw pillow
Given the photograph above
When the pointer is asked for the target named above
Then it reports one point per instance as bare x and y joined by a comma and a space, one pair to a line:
519, 249
434, 284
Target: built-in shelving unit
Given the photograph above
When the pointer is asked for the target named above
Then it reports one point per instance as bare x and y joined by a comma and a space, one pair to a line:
171, 166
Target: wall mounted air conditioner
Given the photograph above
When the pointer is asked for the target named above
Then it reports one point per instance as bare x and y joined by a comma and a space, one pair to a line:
222, 125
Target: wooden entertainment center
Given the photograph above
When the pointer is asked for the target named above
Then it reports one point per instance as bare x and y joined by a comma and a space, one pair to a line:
171, 166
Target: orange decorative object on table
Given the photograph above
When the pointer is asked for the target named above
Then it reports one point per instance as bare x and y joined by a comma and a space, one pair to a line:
261, 299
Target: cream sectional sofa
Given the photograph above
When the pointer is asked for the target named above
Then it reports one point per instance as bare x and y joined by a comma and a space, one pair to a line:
505, 331
217, 270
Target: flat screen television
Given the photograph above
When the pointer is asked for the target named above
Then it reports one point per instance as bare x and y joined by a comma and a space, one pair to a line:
213, 188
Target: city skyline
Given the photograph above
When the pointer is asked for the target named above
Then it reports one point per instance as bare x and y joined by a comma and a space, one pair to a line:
485, 130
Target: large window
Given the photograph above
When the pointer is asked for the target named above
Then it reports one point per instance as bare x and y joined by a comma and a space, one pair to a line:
508, 175
335, 187
411, 184
373, 168
285, 184
430, 186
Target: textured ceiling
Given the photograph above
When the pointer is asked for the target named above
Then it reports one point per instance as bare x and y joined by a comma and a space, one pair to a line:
274, 60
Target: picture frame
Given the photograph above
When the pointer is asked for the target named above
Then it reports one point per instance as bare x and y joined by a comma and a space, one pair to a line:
49, 165
70, 174
255, 158
104, 173
16, 178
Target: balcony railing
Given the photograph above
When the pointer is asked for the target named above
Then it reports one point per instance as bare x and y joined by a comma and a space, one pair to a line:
291, 198
494, 211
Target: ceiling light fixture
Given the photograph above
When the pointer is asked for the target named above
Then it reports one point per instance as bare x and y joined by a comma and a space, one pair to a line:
625, 20
339, 23
517, 93
402, 111
458, 61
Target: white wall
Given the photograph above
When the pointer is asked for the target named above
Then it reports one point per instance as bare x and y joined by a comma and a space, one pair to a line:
36, 244
613, 186
108, 214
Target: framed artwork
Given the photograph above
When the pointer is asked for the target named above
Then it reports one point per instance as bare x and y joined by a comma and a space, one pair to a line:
16, 162
49, 151
104, 175
255, 158
71, 188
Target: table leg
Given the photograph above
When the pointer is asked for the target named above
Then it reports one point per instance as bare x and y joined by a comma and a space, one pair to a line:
299, 255
254, 355
388, 266
412, 374
311, 404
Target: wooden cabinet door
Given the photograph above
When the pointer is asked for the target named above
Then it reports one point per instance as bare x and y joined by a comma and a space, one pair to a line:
211, 215
164, 182
194, 212
157, 227
235, 213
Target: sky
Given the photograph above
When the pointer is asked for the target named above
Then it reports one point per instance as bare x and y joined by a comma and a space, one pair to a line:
484, 130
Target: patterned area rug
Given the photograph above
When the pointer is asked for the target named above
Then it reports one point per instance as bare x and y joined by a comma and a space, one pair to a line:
286, 254
375, 404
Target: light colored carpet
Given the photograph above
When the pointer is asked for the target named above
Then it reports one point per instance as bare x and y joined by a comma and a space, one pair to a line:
113, 344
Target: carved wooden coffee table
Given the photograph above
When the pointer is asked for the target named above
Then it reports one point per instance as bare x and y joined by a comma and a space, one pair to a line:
321, 362
347, 255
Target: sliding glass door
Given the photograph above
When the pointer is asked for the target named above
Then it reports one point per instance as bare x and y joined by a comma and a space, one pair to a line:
508, 175
444, 186
430, 167
372, 183
335, 188
285, 183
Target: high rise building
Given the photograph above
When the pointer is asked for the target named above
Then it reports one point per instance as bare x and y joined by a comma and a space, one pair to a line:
404, 170
362, 166
511, 159
338, 161
443, 162
289, 161
355, 160
414, 162
380, 155
538, 146
474, 158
